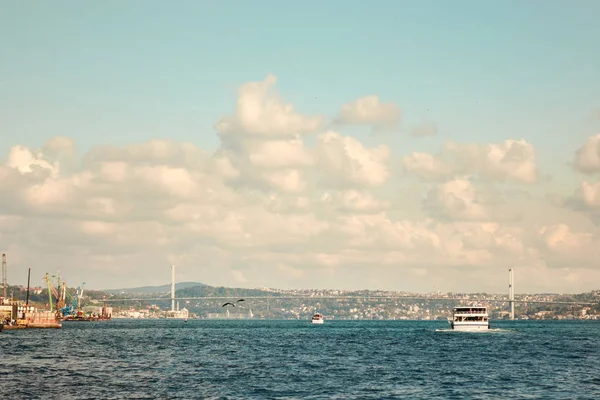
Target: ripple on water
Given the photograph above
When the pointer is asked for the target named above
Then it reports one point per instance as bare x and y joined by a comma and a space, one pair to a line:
292, 359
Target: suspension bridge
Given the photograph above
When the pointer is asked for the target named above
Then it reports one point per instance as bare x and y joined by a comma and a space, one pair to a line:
509, 299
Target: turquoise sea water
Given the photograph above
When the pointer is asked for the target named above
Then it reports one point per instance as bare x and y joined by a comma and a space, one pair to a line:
169, 359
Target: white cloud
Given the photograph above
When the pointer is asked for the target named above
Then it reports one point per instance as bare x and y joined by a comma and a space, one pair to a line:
456, 200
287, 180
586, 198
344, 160
355, 201
279, 154
27, 161
175, 181
271, 208
511, 160
426, 166
590, 194
369, 110
261, 112
560, 238
587, 157
114, 171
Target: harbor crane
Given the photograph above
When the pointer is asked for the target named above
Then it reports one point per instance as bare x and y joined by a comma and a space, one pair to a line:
75, 305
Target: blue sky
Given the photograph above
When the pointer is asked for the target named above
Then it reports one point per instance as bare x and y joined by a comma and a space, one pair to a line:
124, 71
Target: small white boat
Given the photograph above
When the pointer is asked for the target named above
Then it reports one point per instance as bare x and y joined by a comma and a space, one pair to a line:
317, 318
469, 318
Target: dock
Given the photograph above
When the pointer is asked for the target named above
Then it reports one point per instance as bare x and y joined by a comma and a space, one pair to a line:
15, 318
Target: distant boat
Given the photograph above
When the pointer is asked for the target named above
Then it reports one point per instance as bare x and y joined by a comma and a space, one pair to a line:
317, 318
469, 318
185, 320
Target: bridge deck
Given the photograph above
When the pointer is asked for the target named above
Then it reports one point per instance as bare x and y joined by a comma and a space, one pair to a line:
355, 297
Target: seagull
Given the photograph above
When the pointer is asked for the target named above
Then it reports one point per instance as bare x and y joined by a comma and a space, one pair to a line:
228, 304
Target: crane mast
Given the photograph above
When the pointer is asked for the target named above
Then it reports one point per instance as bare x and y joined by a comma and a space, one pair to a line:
50, 289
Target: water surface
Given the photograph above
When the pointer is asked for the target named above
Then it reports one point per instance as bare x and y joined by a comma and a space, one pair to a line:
170, 359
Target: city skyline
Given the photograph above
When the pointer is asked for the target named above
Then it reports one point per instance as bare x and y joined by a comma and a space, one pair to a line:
408, 148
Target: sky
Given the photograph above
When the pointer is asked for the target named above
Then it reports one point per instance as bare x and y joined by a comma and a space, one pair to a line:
414, 146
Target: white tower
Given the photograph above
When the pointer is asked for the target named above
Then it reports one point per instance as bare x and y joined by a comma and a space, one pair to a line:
4, 284
511, 292
172, 288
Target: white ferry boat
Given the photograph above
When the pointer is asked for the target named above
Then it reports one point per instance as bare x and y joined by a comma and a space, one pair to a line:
469, 318
317, 318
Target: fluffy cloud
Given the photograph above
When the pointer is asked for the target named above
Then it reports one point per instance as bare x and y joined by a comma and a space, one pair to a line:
26, 161
278, 154
586, 197
369, 110
262, 113
273, 207
287, 180
347, 161
427, 166
560, 238
511, 160
355, 201
587, 157
457, 200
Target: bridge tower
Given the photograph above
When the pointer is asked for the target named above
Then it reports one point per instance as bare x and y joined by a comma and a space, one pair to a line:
4, 284
172, 288
511, 292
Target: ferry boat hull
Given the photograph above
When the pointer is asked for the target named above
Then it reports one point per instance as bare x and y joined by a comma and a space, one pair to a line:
317, 321
469, 327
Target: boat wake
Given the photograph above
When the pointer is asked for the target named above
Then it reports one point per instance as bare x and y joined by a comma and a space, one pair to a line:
489, 331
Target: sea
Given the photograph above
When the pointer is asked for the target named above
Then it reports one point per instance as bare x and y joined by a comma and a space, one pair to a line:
265, 359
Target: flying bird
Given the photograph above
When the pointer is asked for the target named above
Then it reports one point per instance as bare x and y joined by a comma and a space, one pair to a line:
228, 304
239, 301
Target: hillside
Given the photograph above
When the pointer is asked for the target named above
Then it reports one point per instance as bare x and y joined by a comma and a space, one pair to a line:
154, 289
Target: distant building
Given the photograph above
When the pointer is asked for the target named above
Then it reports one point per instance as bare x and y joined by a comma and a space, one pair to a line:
228, 315
179, 314
97, 310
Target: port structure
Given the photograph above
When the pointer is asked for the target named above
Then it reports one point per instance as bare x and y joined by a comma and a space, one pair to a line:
4, 284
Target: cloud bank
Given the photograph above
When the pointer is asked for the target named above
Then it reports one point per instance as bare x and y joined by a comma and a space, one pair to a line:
269, 209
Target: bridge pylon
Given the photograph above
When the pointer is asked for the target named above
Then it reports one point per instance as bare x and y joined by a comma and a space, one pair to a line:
511, 292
